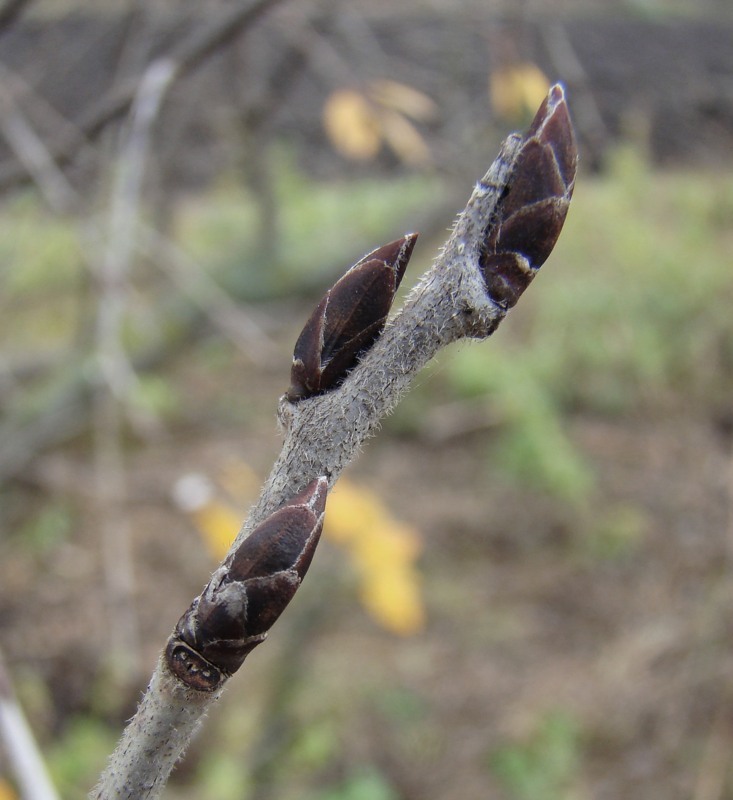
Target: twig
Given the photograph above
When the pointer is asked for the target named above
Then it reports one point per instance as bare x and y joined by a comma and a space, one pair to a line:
345, 378
21, 748
116, 371
32, 153
21, 438
124, 212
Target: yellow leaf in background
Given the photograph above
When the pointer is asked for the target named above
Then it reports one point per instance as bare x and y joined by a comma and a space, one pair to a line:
516, 91
383, 551
6, 791
390, 543
392, 597
403, 98
358, 123
404, 139
352, 125
351, 512
218, 525
217, 522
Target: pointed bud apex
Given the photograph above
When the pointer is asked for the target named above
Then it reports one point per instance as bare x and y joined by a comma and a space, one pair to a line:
348, 320
530, 215
247, 593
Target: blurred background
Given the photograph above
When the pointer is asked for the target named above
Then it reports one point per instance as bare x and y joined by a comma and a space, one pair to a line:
525, 585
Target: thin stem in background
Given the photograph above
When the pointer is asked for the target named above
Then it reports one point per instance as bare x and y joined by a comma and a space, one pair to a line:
20, 746
21, 439
118, 377
186, 55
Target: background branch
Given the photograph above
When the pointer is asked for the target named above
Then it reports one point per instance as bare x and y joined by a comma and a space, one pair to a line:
116, 372
21, 748
184, 57
66, 413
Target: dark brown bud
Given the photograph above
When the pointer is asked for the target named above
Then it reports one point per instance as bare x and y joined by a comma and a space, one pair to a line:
348, 320
531, 213
247, 593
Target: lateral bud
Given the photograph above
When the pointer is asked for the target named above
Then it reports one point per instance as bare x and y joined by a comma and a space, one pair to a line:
348, 320
531, 213
247, 593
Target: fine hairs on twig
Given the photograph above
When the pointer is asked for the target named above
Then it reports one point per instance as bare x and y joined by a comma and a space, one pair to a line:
350, 367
